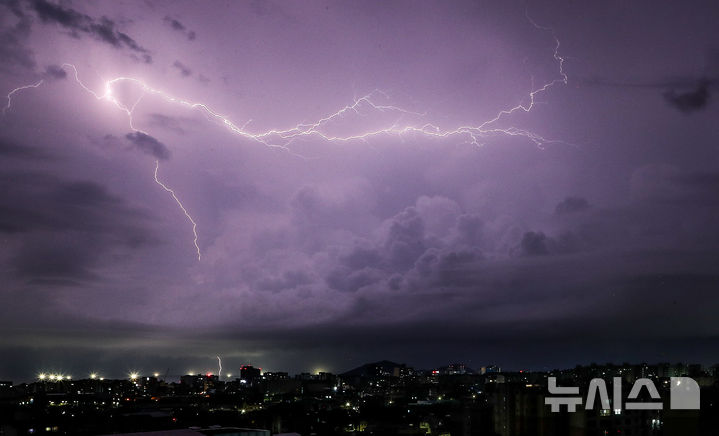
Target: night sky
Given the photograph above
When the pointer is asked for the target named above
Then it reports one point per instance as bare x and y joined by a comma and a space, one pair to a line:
354, 195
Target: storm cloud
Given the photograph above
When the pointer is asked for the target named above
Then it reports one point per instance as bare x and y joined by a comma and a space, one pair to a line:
182, 68
55, 72
148, 145
689, 101
13, 40
78, 24
177, 26
398, 241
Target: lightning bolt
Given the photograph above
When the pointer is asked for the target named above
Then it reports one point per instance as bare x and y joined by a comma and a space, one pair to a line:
219, 371
179, 203
283, 138
108, 95
15, 91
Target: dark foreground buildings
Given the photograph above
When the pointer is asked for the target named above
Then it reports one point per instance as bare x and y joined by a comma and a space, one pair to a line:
381, 398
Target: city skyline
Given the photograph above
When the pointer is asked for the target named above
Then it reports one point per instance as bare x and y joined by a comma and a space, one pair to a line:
377, 398
322, 184
248, 371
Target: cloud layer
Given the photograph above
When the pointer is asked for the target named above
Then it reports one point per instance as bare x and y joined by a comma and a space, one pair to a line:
332, 253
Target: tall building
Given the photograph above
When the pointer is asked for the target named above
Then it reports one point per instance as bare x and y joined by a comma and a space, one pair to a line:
249, 373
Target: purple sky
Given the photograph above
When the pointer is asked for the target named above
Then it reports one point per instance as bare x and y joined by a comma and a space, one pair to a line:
599, 245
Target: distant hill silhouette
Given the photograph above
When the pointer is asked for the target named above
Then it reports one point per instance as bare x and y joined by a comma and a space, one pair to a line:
372, 369
387, 367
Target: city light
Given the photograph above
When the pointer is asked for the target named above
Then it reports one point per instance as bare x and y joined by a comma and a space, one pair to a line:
133, 376
41, 376
93, 376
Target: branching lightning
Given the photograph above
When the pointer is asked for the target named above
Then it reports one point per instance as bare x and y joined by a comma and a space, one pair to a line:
283, 138
179, 203
15, 91
109, 96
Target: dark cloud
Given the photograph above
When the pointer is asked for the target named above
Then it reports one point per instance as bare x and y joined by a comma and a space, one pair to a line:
421, 246
179, 27
14, 7
670, 83
64, 16
182, 68
700, 182
668, 185
203, 79
13, 39
10, 149
689, 101
347, 280
56, 259
78, 23
445, 269
571, 205
40, 202
684, 94
170, 123
405, 239
61, 229
469, 324
477, 308
148, 145
362, 257
14, 53
287, 280
534, 244
55, 72
469, 230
